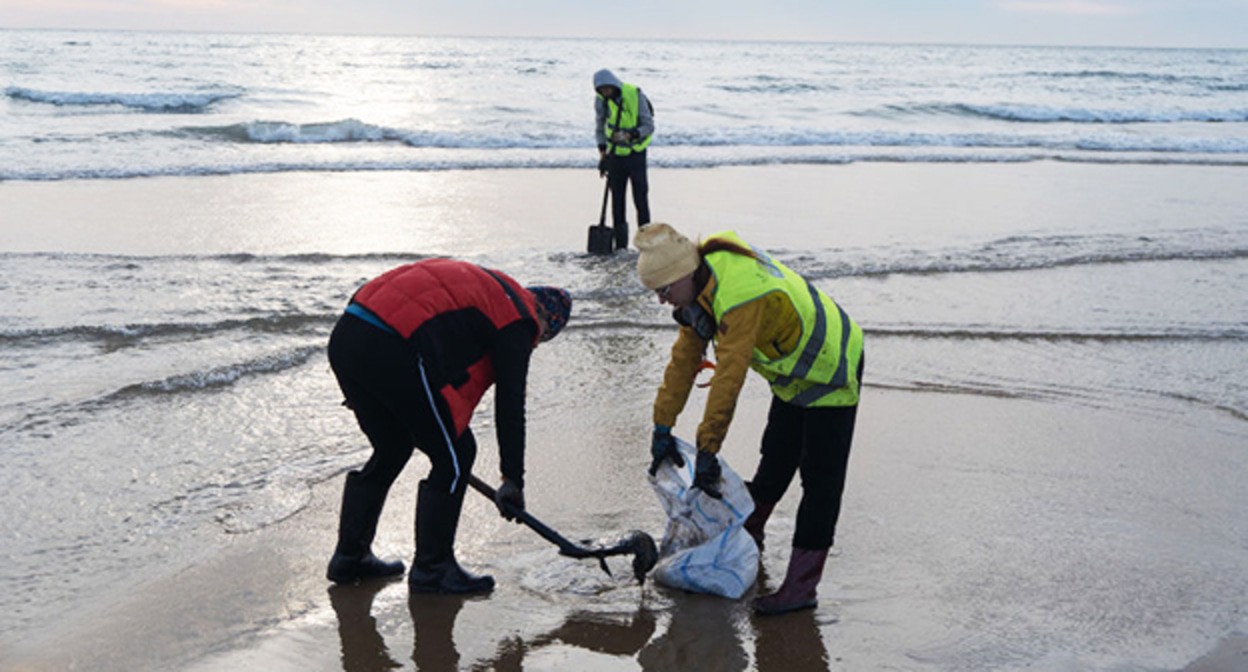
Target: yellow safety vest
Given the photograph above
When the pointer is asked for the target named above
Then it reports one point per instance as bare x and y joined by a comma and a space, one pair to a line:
625, 120
823, 369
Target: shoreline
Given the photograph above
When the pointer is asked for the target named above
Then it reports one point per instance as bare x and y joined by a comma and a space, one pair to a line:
360, 213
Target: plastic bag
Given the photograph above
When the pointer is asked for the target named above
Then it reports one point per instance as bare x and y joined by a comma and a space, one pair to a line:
705, 548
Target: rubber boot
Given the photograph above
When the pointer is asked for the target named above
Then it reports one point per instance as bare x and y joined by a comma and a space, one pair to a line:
801, 580
434, 569
353, 558
757, 519
482, 583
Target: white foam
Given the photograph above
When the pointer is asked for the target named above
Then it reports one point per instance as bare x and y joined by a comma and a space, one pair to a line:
347, 130
151, 102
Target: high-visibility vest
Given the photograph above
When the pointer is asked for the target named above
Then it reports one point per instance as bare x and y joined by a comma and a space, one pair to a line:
823, 369
625, 119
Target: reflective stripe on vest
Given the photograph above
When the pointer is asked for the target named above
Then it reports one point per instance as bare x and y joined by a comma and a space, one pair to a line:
817, 366
625, 120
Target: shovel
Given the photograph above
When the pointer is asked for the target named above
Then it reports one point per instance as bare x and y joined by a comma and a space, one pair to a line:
601, 236
636, 543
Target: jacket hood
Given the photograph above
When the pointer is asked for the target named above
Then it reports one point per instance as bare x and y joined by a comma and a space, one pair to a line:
605, 77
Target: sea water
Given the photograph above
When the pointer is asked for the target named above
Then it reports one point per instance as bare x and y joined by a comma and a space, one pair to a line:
118, 104
159, 388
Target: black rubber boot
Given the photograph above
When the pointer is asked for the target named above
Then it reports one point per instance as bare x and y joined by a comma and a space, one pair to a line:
434, 569
353, 558
621, 237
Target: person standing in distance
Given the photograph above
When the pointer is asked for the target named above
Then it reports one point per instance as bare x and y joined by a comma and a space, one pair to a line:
624, 127
415, 351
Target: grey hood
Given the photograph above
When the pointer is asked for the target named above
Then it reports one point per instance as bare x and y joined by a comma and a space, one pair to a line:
605, 77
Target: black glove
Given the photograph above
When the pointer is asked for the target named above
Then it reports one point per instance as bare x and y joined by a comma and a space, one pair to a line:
663, 447
509, 498
604, 165
706, 474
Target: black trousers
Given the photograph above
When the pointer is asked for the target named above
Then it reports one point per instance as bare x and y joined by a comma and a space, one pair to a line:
816, 442
383, 382
625, 169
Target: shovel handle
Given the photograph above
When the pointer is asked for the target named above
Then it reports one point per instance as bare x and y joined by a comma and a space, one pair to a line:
565, 547
602, 214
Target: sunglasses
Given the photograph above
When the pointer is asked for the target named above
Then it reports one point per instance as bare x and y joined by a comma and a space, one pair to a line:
665, 292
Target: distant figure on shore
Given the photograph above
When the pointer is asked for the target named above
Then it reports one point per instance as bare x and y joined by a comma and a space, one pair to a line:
415, 351
624, 127
760, 315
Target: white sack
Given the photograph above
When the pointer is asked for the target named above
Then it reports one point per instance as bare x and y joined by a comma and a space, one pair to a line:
705, 548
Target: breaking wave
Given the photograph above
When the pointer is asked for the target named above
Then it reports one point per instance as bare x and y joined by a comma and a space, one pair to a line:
1217, 153
1048, 114
128, 335
184, 103
1027, 253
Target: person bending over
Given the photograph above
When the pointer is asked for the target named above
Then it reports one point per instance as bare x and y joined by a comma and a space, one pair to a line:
413, 354
759, 314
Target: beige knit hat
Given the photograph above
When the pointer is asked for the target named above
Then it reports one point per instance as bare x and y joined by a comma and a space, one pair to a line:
666, 256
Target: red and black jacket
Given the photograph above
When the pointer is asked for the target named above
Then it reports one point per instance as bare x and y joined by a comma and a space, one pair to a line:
472, 328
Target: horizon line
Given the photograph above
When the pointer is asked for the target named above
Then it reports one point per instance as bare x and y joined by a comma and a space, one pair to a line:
898, 43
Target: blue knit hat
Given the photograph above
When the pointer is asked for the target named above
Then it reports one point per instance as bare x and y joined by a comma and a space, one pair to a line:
557, 304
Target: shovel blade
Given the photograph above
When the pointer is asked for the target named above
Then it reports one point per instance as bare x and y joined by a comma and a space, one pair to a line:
601, 239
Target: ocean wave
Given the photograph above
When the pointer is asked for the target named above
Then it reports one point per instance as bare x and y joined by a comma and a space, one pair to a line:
773, 86
1164, 78
131, 262
355, 131
1084, 397
1167, 81
115, 337
1041, 114
273, 132
347, 131
1030, 253
745, 139
67, 414
217, 377
962, 334
535, 161
185, 103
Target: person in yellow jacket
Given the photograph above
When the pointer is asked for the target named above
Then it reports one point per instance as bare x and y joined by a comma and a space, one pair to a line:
760, 314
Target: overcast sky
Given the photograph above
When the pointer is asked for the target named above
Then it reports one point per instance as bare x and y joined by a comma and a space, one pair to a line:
1149, 23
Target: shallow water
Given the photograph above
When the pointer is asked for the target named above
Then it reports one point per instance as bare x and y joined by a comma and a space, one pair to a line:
165, 384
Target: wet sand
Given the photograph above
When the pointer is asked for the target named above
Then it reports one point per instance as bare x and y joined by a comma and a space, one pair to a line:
1020, 571
978, 532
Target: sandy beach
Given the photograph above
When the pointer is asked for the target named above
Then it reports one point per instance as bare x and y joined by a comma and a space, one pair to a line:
980, 530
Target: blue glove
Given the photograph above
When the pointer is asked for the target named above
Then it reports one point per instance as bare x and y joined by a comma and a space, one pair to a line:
707, 473
663, 447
